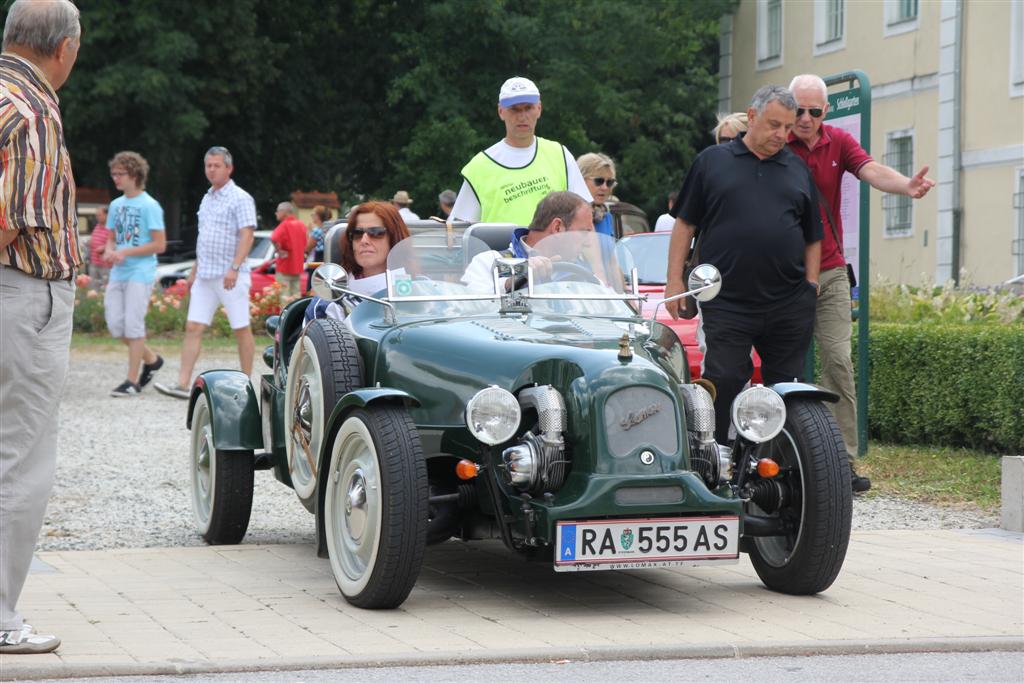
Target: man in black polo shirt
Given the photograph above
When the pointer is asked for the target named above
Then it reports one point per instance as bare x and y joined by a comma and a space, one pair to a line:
753, 208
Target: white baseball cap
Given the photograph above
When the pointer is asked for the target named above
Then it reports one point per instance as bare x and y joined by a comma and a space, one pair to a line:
518, 90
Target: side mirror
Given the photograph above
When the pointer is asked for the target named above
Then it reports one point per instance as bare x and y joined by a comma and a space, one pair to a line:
705, 282
328, 281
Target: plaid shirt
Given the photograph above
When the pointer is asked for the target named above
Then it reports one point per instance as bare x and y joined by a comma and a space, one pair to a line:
37, 188
222, 213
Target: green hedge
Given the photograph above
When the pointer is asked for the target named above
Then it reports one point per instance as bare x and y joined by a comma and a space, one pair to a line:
950, 385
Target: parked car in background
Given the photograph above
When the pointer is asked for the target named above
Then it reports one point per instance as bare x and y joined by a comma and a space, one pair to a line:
648, 252
262, 249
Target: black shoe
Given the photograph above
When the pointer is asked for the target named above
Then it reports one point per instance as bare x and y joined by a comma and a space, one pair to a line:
858, 483
126, 390
148, 369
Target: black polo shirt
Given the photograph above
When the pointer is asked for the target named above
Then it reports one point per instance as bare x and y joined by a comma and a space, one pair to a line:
753, 220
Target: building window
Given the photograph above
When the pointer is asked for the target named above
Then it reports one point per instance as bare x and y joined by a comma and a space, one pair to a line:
829, 25
903, 10
1018, 242
900, 16
769, 33
898, 209
1017, 49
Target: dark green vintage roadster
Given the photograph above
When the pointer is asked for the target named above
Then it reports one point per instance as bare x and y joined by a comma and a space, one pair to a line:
547, 414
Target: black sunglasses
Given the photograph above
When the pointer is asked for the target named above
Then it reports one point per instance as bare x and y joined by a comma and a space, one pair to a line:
722, 139
375, 233
815, 112
612, 182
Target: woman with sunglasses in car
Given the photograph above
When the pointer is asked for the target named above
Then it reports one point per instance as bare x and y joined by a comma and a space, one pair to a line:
598, 171
373, 229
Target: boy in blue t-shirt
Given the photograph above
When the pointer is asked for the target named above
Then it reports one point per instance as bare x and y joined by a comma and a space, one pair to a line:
136, 223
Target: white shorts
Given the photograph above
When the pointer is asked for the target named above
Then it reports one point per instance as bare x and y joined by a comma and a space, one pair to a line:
209, 293
124, 307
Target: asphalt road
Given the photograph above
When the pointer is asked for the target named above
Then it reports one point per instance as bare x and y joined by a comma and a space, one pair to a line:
992, 667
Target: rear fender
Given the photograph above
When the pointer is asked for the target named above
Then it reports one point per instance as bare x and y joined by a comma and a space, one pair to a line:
234, 410
788, 390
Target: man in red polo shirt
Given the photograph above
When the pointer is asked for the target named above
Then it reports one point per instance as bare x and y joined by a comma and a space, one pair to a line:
289, 238
829, 152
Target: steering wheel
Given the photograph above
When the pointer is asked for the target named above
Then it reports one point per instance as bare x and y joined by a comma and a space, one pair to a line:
574, 271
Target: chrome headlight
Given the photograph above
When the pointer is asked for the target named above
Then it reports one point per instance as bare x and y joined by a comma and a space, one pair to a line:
492, 415
758, 414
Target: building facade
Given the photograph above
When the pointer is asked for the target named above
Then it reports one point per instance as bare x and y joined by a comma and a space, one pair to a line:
947, 90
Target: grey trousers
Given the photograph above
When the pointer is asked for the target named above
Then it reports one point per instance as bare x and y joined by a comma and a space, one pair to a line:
35, 335
832, 330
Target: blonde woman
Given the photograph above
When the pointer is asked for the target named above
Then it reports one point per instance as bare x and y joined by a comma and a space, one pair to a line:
729, 127
598, 171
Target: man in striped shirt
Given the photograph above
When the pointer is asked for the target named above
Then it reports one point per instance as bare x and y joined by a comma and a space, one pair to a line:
38, 259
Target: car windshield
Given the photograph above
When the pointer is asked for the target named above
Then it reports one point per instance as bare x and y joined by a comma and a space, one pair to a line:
648, 254
434, 274
261, 248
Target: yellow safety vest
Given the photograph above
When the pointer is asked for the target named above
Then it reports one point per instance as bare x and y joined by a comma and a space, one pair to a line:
511, 195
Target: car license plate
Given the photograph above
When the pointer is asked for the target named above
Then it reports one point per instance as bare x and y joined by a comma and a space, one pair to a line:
641, 543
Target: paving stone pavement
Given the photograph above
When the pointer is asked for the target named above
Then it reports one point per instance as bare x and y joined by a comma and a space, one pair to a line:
268, 607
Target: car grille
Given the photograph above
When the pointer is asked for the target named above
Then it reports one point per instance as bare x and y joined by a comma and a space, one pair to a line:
640, 416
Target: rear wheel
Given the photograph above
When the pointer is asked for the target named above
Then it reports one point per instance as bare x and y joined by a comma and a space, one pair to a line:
375, 507
221, 482
324, 367
816, 506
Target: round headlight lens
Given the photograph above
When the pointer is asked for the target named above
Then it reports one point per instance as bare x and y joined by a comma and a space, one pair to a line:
758, 414
493, 415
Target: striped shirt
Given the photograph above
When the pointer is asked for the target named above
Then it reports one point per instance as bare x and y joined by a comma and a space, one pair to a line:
222, 213
37, 188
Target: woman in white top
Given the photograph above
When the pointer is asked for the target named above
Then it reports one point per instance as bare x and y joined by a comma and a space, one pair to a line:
373, 229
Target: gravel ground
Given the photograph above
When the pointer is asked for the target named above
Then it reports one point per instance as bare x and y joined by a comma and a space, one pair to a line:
122, 472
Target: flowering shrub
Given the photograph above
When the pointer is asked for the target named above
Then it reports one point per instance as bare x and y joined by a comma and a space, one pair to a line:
167, 313
945, 304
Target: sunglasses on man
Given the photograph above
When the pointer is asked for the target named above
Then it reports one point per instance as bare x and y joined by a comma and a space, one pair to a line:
612, 182
377, 232
815, 112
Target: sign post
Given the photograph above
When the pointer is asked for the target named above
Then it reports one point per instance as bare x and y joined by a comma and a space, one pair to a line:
850, 109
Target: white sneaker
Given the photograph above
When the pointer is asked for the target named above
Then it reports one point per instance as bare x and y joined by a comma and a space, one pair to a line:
26, 642
175, 390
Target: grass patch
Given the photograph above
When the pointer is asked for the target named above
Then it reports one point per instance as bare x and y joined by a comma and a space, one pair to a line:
944, 476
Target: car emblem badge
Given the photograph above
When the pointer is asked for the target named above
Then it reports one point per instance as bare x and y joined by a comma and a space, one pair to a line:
647, 457
626, 539
633, 419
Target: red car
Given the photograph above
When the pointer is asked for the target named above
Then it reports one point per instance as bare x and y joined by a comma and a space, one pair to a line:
649, 252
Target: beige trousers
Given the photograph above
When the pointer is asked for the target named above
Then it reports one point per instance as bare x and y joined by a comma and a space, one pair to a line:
832, 335
35, 334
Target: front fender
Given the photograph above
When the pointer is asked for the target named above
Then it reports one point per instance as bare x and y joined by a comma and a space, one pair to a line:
360, 398
789, 390
234, 410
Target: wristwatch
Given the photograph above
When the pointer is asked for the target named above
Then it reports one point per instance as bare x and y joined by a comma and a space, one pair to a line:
236, 268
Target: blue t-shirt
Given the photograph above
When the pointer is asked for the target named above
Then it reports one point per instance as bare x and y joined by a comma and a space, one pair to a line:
606, 226
131, 221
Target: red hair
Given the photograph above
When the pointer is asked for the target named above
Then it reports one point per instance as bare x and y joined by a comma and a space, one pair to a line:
389, 218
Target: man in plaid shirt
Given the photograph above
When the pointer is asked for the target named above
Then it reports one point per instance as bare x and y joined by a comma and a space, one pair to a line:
227, 219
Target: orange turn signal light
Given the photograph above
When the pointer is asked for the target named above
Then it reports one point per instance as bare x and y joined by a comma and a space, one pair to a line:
466, 469
767, 468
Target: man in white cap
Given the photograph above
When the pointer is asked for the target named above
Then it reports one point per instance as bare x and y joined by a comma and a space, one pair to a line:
505, 182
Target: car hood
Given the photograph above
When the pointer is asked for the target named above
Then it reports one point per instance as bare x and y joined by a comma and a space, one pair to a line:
444, 363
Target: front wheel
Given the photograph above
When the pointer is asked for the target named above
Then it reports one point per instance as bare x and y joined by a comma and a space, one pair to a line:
375, 506
816, 506
222, 482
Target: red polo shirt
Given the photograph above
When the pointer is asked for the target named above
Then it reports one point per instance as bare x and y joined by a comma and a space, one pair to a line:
290, 236
835, 153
